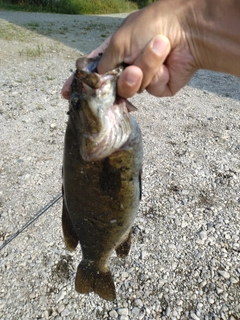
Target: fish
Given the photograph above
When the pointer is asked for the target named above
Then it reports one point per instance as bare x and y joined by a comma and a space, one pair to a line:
102, 166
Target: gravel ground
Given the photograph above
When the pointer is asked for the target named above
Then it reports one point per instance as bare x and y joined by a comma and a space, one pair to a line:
185, 259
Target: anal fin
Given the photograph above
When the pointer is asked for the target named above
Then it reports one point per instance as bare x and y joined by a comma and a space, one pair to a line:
123, 249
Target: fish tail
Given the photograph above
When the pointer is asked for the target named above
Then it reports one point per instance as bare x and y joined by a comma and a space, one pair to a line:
123, 249
89, 278
70, 237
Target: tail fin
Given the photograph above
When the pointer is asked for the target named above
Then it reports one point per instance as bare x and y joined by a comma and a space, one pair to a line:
89, 278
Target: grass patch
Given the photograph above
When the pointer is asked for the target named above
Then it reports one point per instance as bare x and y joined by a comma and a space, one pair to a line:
50, 78
71, 6
32, 52
32, 25
9, 32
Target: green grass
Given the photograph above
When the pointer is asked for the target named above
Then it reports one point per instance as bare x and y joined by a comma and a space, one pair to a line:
10, 31
32, 25
71, 6
32, 52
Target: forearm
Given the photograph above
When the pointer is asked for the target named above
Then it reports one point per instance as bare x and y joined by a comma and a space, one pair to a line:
214, 34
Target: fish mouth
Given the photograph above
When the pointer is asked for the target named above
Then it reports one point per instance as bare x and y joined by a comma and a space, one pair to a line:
105, 124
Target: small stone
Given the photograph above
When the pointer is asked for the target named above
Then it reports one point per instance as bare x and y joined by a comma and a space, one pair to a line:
113, 314
60, 308
184, 224
219, 290
123, 318
175, 313
135, 311
211, 300
168, 311
233, 280
123, 312
224, 308
224, 274
60, 296
148, 311
174, 265
194, 316
32, 295
65, 313
179, 302
144, 254
138, 303
53, 126
203, 235
124, 274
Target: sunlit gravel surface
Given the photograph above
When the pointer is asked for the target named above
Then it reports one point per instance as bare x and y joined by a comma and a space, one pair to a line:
185, 257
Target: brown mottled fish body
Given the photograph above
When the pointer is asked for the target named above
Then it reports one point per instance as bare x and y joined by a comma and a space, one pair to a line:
101, 176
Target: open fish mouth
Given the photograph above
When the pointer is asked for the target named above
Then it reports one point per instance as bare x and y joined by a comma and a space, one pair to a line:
104, 123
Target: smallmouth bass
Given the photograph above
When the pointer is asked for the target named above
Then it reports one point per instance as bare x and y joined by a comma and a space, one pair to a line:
102, 167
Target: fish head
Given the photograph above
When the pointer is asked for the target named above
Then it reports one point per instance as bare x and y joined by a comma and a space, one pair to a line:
100, 118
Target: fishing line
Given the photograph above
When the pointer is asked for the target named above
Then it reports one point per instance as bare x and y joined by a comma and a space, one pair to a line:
35, 217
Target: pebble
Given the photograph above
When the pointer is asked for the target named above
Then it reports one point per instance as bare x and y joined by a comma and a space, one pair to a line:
60, 295
113, 314
203, 235
168, 311
138, 303
234, 280
123, 311
194, 316
224, 274
60, 308
135, 311
211, 300
219, 290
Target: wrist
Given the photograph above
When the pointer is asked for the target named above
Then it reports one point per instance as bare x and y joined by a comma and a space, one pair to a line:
212, 30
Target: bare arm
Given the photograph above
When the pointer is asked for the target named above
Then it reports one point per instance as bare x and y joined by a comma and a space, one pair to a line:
168, 41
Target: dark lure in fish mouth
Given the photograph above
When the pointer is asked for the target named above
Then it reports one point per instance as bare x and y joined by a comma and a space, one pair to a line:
101, 175
103, 115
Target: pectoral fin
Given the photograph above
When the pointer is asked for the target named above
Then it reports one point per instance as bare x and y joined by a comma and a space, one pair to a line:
70, 237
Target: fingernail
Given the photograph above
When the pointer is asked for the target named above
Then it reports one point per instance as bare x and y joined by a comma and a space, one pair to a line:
130, 79
159, 46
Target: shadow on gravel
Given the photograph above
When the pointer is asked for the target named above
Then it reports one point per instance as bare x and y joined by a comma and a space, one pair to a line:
86, 32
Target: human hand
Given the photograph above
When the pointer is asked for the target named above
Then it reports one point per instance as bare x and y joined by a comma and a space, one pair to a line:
152, 42
165, 43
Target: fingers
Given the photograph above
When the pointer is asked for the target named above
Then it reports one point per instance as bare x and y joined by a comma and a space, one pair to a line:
150, 61
66, 88
129, 81
159, 85
100, 49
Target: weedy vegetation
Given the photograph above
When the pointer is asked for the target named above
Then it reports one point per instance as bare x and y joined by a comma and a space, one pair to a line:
12, 32
74, 6
32, 52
